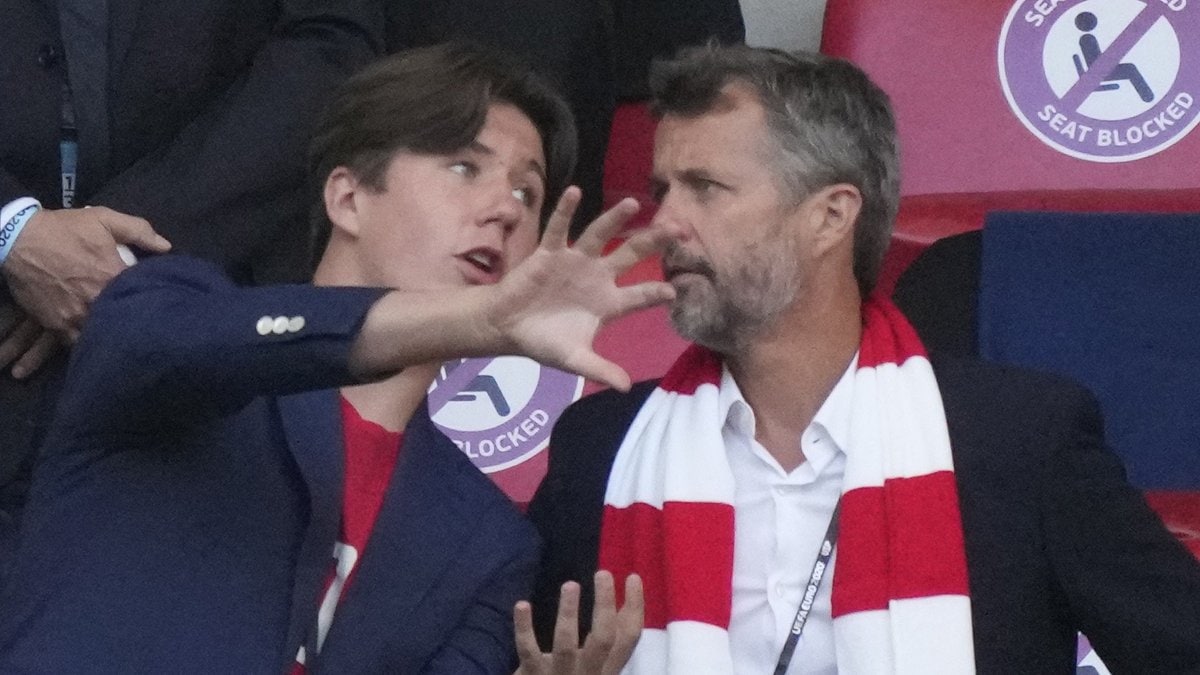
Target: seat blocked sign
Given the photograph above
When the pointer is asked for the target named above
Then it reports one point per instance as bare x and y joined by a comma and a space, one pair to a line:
500, 411
1103, 80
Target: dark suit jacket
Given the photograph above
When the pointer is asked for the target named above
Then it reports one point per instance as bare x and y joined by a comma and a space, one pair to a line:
645, 30
939, 293
1056, 540
185, 511
194, 115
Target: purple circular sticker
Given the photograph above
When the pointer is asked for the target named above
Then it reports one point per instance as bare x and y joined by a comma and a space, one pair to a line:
499, 411
1103, 80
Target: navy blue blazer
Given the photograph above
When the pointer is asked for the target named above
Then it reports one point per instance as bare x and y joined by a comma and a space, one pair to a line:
1056, 539
187, 506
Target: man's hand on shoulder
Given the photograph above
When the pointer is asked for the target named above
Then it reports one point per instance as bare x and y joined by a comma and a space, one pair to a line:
607, 648
64, 258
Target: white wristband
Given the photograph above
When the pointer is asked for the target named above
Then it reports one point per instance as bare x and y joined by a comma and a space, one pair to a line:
13, 217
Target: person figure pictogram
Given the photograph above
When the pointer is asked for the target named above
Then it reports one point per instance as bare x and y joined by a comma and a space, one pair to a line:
1090, 48
480, 384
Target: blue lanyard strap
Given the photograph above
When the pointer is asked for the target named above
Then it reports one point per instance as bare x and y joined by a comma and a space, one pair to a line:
68, 149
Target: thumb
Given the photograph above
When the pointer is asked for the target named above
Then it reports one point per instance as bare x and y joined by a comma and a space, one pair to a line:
126, 229
595, 367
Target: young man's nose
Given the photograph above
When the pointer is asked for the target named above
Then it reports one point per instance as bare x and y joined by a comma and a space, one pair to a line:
504, 207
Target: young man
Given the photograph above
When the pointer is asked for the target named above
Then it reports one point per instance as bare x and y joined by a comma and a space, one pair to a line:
978, 520
247, 480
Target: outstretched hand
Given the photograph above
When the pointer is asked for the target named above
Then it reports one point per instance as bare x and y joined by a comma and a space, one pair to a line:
607, 648
551, 306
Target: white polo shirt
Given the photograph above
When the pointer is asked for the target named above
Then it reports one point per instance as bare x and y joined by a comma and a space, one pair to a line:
780, 521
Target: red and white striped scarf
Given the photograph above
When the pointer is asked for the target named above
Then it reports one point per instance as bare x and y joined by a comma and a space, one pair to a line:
900, 600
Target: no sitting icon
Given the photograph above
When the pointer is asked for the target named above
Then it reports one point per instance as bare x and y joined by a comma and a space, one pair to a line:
1103, 80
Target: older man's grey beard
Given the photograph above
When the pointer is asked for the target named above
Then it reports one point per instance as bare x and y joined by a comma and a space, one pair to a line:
728, 313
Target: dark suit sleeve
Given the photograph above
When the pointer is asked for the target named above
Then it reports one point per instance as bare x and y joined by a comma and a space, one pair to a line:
1133, 589
11, 188
483, 641
172, 341
217, 191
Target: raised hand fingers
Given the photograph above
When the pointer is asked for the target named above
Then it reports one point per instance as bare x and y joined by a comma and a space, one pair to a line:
628, 626
566, 629
605, 227
642, 244
532, 660
643, 295
595, 367
558, 227
604, 613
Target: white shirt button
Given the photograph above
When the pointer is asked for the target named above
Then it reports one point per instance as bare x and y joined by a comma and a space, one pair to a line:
264, 325
280, 325
295, 324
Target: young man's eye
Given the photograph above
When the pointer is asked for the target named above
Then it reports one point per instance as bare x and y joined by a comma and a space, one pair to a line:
465, 168
526, 196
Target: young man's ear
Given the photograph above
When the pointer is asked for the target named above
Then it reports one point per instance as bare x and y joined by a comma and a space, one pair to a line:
341, 205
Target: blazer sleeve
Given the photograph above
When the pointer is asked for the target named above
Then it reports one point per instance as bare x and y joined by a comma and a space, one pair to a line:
483, 641
233, 176
1133, 589
172, 341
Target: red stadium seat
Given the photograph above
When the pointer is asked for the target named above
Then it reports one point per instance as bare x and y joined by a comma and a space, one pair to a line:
630, 156
939, 61
964, 149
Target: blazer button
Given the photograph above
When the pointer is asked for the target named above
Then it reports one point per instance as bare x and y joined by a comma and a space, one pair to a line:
264, 325
47, 55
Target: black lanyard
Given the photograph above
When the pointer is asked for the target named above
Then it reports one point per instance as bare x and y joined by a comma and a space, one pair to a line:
820, 566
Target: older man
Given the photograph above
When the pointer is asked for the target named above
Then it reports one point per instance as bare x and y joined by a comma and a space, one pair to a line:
805, 491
